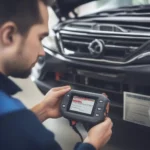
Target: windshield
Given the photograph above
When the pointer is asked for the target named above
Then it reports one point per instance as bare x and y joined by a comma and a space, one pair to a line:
101, 5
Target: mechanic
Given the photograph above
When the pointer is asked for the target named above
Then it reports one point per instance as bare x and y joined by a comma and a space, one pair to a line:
23, 24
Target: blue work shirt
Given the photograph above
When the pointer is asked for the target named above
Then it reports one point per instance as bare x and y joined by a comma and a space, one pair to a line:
20, 129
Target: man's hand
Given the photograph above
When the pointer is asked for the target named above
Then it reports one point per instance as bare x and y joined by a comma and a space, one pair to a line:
53, 99
100, 134
50, 106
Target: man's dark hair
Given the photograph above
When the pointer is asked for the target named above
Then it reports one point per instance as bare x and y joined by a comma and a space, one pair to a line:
24, 13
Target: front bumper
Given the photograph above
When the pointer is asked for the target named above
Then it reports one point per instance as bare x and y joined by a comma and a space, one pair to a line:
112, 80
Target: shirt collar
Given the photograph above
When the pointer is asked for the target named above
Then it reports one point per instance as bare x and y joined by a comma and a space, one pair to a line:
8, 86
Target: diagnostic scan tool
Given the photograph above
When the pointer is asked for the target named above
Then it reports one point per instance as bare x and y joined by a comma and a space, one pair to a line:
85, 107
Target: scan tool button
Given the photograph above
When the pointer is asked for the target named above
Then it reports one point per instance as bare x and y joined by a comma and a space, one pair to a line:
97, 115
99, 109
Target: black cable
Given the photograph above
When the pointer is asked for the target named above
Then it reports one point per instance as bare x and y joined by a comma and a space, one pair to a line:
75, 129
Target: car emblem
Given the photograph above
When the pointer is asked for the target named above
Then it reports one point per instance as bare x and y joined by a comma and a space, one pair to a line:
96, 47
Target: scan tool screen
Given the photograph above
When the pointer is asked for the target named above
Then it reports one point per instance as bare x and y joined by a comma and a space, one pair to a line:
82, 105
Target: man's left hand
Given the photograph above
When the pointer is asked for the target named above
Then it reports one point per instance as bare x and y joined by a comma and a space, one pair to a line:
50, 106
53, 99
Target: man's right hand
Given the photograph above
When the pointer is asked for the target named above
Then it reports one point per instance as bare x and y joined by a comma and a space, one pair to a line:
100, 134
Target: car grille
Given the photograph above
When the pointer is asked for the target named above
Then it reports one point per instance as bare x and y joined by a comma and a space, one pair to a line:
110, 40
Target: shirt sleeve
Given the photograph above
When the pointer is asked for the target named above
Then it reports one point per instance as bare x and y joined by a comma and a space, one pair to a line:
22, 130
84, 146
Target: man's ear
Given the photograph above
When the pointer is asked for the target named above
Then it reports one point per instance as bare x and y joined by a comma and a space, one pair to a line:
8, 33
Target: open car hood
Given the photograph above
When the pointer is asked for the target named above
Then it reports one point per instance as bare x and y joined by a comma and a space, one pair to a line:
63, 7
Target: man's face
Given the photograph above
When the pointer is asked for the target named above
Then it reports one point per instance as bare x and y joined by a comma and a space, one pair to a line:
29, 48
